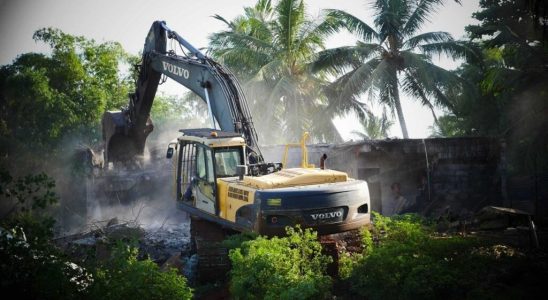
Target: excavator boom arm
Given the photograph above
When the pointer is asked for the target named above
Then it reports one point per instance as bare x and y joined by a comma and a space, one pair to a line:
125, 132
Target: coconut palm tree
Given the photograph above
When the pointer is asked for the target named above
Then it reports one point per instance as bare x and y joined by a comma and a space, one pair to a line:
392, 56
270, 48
373, 127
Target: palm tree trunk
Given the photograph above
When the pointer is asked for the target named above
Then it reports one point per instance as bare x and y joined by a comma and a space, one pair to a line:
399, 111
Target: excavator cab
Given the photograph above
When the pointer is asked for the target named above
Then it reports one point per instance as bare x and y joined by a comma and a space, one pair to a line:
204, 157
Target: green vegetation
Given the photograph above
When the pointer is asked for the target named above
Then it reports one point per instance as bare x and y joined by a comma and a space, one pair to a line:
507, 87
393, 56
51, 102
295, 84
32, 267
125, 277
404, 258
33, 270
270, 48
25, 194
46, 97
373, 127
290, 267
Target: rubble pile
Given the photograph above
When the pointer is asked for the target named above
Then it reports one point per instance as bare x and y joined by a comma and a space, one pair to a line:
159, 243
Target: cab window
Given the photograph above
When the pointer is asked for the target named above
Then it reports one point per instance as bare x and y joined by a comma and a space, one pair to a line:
204, 164
226, 161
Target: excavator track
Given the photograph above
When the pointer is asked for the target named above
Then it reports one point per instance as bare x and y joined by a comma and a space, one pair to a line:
335, 244
206, 238
214, 263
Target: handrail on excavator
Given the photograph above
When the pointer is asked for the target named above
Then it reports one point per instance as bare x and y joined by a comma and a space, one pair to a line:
304, 152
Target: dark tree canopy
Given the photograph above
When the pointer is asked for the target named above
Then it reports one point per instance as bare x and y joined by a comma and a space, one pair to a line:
508, 88
44, 97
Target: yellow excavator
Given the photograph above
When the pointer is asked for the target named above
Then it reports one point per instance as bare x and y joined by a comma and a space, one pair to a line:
221, 178
212, 184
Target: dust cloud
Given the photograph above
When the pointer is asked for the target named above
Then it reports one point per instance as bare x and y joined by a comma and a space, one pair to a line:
92, 196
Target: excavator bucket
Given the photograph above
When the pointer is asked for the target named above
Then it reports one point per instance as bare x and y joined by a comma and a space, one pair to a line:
125, 132
123, 145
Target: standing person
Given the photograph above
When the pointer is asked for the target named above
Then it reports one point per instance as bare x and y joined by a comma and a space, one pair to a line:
422, 196
401, 204
322, 161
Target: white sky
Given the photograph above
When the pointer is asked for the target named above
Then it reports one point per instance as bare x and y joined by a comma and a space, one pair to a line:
128, 22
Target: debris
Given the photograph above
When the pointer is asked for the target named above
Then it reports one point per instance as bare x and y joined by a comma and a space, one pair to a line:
124, 232
509, 219
174, 261
86, 241
492, 217
113, 221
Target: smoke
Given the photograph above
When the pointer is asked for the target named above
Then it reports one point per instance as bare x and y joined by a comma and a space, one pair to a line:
91, 197
144, 197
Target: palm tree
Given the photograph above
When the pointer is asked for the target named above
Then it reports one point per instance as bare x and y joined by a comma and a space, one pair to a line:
373, 127
270, 48
392, 56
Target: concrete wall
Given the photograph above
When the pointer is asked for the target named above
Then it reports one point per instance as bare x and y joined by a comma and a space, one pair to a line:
456, 175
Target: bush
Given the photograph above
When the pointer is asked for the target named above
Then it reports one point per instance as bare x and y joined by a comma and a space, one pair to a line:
408, 261
38, 271
236, 240
291, 267
25, 194
30, 266
125, 277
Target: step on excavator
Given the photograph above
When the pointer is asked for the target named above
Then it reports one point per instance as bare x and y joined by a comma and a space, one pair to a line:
220, 176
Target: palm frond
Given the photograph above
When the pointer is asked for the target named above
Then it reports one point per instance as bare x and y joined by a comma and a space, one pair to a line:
453, 49
429, 37
413, 88
220, 18
389, 18
425, 80
308, 40
338, 60
352, 24
231, 38
373, 127
290, 17
269, 72
420, 15
366, 76
387, 83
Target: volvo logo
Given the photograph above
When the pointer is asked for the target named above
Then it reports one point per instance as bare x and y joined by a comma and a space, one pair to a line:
327, 215
176, 70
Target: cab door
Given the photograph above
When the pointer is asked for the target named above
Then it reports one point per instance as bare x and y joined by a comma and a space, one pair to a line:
205, 186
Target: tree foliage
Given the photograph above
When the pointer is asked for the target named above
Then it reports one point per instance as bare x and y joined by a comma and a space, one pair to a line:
446, 127
32, 267
270, 48
44, 97
37, 271
392, 56
25, 194
373, 127
507, 90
